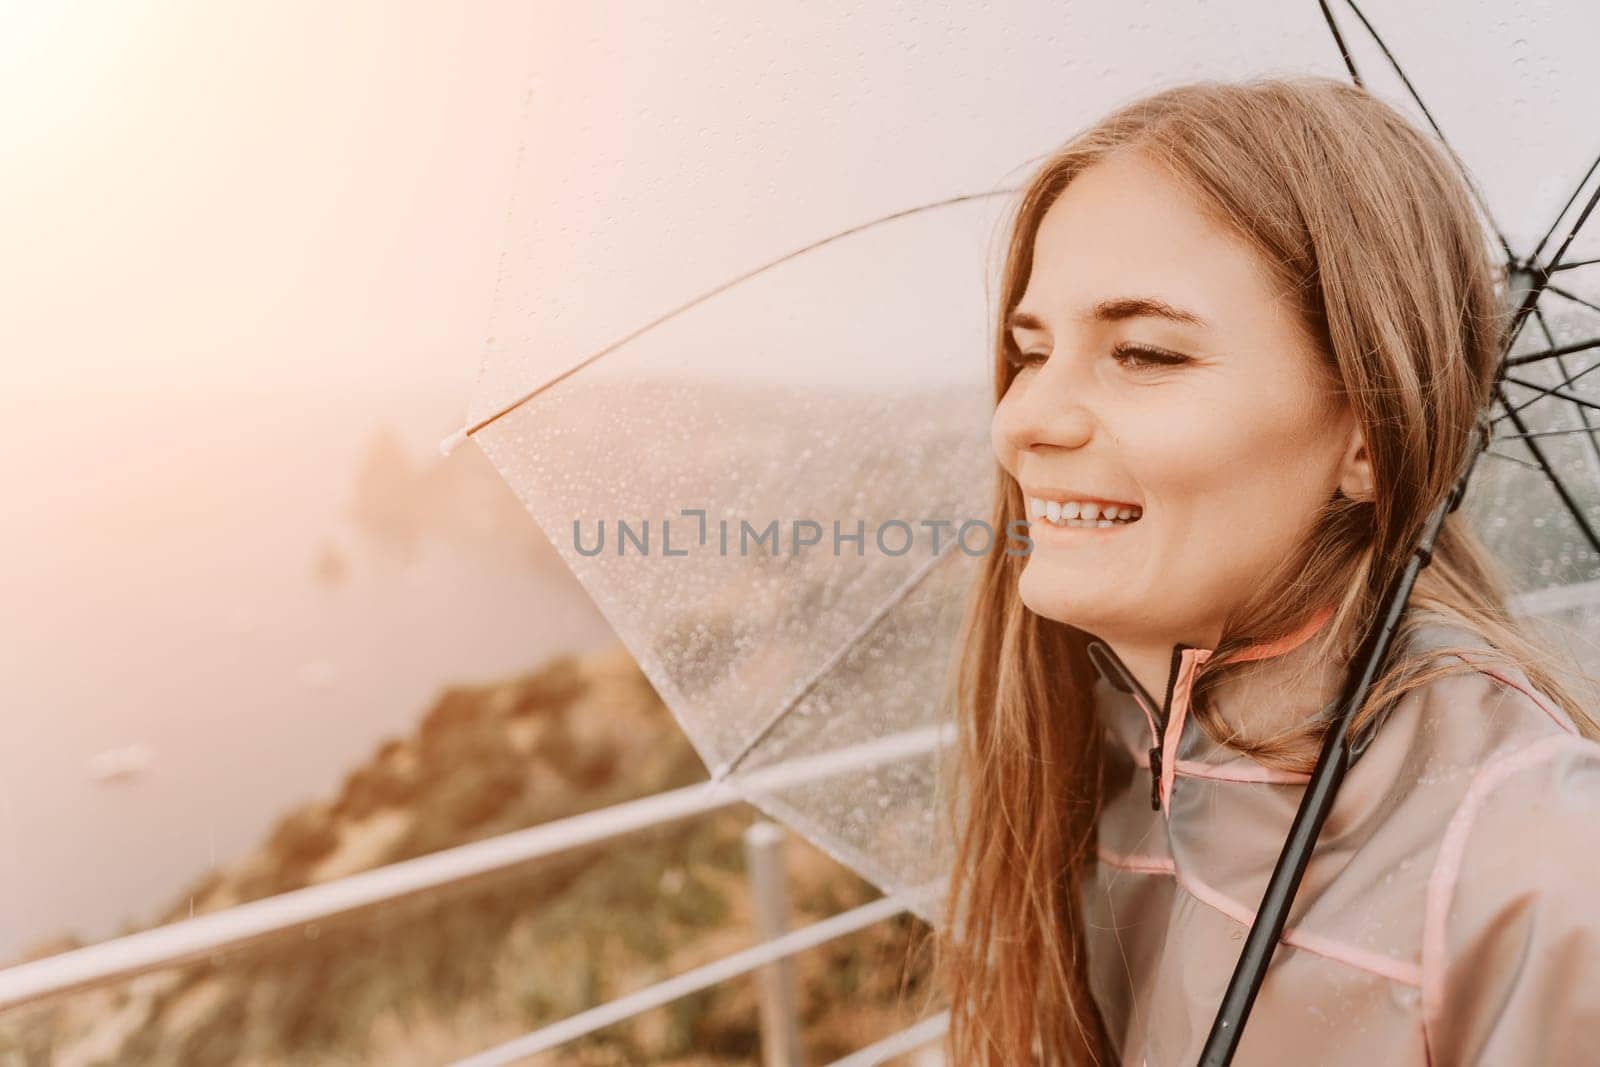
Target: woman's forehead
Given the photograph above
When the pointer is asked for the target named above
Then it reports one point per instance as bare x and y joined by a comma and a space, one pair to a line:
1123, 229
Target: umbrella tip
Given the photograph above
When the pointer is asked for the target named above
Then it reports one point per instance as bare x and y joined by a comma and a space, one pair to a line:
448, 445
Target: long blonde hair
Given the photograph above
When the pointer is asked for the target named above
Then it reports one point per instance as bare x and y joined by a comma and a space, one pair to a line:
1373, 234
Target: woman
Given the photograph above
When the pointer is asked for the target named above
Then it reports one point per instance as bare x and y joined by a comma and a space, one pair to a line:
1245, 333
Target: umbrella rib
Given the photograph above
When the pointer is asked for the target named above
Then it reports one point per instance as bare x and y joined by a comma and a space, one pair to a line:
1572, 234
800, 691
1575, 265
1574, 297
1547, 391
1554, 351
1582, 405
467, 431
1563, 350
1567, 378
1511, 459
1477, 194
1543, 433
1338, 39
1541, 272
1539, 457
1576, 189
1544, 326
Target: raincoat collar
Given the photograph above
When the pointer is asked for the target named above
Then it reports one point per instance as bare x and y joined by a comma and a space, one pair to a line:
1166, 720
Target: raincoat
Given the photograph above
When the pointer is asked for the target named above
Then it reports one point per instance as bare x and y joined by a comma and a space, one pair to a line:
1448, 914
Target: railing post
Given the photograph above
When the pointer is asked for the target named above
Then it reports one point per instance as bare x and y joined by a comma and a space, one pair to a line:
780, 1028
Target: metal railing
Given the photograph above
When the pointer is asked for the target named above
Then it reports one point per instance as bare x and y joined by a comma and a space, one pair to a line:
191, 939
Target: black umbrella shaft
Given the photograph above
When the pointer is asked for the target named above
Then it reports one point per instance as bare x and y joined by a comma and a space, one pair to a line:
1318, 799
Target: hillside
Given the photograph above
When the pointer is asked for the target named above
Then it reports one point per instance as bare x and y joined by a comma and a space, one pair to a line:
428, 980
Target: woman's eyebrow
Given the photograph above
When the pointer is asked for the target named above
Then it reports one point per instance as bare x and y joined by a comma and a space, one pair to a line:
1115, 310
1132, 307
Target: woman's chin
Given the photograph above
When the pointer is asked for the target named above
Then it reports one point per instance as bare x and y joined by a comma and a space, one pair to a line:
1049, 590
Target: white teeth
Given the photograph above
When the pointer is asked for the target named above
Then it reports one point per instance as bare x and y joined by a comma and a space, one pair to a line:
1081, 514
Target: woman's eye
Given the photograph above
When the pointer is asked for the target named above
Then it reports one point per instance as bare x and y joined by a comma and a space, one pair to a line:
1136, 356
1140, 357
1027, 359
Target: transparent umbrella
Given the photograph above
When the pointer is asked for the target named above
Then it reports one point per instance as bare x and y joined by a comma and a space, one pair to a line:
743, 335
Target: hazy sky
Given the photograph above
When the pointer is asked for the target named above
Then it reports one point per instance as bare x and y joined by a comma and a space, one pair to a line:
225, 194
235, 239
229, 193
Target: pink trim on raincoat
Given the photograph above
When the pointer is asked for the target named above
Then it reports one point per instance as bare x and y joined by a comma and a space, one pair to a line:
1450, 915
1183, 690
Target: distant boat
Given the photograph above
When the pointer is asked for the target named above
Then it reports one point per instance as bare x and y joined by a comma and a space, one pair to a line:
121, 764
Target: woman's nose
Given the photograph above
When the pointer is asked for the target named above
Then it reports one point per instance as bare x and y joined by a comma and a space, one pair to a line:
1039, 414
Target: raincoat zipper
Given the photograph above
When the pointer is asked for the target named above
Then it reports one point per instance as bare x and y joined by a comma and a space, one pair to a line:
1114, 671
1161, 726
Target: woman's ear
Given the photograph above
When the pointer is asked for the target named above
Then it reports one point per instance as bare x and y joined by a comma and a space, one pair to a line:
1355, 470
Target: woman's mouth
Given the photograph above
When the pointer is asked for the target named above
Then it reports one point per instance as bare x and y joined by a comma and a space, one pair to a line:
1082, 514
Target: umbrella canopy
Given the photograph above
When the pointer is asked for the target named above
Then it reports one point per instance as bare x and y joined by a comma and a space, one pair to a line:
749, 280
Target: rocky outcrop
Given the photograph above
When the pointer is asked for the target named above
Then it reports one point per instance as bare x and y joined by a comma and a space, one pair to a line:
431, 979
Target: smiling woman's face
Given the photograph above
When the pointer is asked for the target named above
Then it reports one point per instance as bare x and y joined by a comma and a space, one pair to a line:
1161, 371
